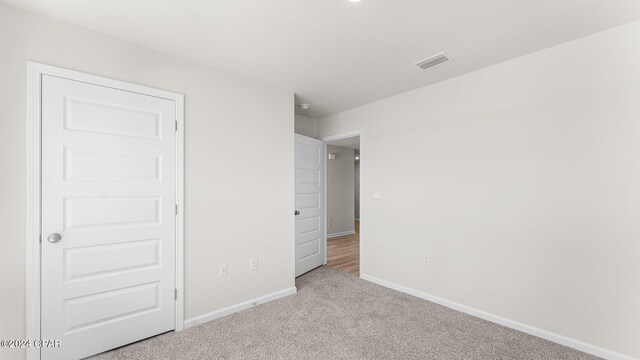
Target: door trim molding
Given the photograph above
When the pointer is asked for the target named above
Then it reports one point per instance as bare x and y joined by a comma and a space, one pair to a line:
35, 71
340, 136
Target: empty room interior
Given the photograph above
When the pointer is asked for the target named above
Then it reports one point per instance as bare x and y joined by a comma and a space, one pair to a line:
337, 179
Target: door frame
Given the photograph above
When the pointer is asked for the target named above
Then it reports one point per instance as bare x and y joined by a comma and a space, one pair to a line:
35, 71
325, 140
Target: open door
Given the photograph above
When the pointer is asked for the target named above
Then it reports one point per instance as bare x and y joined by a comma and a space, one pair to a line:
309, 198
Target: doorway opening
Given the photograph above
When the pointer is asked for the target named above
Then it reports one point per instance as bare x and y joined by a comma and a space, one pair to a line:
343, 154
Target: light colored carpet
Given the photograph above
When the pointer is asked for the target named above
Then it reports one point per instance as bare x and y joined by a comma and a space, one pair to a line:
338, 316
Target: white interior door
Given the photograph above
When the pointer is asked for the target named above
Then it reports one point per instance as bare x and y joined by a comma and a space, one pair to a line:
309, 188
109, 191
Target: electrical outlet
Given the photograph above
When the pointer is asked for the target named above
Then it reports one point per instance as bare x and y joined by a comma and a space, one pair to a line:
426, 259
253, 264
223, 270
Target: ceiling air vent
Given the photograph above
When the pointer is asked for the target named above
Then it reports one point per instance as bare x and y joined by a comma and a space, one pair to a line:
436, 59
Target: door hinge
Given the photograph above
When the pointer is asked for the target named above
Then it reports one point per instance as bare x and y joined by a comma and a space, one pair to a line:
40, 238
175, 293
176, 209
176, 125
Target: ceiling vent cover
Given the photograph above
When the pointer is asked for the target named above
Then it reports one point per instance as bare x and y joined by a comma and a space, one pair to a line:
436, 59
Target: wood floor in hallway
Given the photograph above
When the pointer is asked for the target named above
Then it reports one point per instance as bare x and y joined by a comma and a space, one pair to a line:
343, 252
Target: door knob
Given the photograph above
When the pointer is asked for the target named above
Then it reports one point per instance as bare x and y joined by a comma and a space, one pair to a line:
54, 238
297, 212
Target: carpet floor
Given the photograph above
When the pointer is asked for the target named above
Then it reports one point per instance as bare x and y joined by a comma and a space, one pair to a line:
339, 316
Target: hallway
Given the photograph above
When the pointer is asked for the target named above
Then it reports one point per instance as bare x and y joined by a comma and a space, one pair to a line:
343, 252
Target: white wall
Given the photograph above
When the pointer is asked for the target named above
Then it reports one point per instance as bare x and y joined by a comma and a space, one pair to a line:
522, 181
218, 191
340, 191
306, 126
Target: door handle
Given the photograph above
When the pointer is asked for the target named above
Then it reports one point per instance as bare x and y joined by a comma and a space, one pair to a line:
296, 213
54, 238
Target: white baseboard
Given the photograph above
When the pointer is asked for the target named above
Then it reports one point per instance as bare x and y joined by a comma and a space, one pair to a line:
238, 307
344, 233
562, 340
